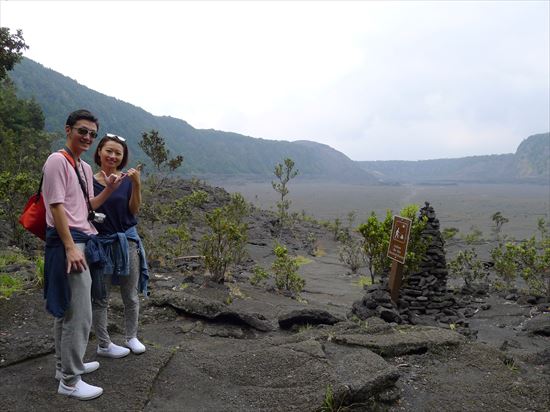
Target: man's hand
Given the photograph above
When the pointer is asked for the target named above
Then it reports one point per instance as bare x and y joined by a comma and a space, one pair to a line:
76, 262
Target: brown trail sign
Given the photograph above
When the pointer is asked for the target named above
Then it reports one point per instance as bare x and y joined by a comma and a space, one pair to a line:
397, 251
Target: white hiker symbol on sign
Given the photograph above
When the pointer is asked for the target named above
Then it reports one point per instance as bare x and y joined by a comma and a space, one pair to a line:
398, 235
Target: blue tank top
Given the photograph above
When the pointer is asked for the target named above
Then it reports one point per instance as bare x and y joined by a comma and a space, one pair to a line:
116, 208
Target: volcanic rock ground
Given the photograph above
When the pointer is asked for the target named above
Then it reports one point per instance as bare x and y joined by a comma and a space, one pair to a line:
238, 347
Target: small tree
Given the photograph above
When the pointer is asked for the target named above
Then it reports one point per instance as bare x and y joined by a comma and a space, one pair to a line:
498, 221
284, 172
285, 269
467, 266
376, 239
176, 239
237, 210
534, 261
351, 251
260, 275
336, 227
218, 246
506, 262
154, 146
529, 258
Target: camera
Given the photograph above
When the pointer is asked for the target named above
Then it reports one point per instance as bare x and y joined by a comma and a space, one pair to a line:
96, 217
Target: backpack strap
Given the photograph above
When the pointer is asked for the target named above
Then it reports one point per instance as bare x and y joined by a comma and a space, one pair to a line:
71, 161
69, 156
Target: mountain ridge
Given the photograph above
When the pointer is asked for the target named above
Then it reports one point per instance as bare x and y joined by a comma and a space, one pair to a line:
207, 152
210, 153
530, 163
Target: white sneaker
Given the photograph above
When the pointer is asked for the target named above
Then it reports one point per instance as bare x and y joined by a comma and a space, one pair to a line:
135, 346
81, 390
88, 368
113, 351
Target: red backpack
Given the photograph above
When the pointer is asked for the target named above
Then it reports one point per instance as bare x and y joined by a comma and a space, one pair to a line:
33, 217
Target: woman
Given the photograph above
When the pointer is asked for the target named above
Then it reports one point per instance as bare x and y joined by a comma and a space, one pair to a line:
122, 245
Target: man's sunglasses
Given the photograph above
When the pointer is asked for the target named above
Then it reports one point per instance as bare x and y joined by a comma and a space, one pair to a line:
116, 137
82, 131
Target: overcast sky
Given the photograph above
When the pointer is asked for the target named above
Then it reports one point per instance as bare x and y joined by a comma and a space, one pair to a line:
376, 80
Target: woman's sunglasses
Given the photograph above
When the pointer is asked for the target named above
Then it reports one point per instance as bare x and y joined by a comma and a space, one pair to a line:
82, 131
116, 137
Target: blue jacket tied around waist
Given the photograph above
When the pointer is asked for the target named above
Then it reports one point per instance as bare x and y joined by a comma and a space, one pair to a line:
56, 285
116, 248
102, 257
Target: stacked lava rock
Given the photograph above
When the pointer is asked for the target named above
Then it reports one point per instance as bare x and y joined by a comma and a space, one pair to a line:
424, 295
425, 291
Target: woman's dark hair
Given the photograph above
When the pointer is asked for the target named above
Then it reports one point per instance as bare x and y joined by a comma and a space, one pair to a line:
112, 138
81, 114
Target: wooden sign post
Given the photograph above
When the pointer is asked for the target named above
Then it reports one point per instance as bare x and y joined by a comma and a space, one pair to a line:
397, 251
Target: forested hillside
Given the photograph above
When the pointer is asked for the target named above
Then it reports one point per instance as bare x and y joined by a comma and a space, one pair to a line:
207, 153
530, 163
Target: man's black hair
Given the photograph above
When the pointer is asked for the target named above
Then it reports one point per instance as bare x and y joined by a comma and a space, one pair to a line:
81, 114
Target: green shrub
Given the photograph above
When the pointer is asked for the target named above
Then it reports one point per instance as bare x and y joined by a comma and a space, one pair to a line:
449, 233
351, 253
285, 269
534, 262
176, 241
376, 239
260, 275
9, 285
11, 258
39, 280
529, 258
363, 281
302, 260
473, 236
311, 244
505, 258
331, 403
467, 266
236, 211
218, 246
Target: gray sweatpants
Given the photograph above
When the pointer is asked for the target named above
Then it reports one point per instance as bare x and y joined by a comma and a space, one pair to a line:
129, 290
71, 332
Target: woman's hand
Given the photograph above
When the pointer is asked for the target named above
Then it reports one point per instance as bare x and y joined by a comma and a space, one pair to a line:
135, 175
113, 181
135, 197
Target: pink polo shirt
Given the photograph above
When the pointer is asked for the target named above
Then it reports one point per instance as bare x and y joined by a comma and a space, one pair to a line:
61, 185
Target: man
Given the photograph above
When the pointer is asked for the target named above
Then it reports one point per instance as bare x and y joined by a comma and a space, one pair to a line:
67, 186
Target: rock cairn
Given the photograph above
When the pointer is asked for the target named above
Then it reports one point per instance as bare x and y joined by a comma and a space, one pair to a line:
424, 297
